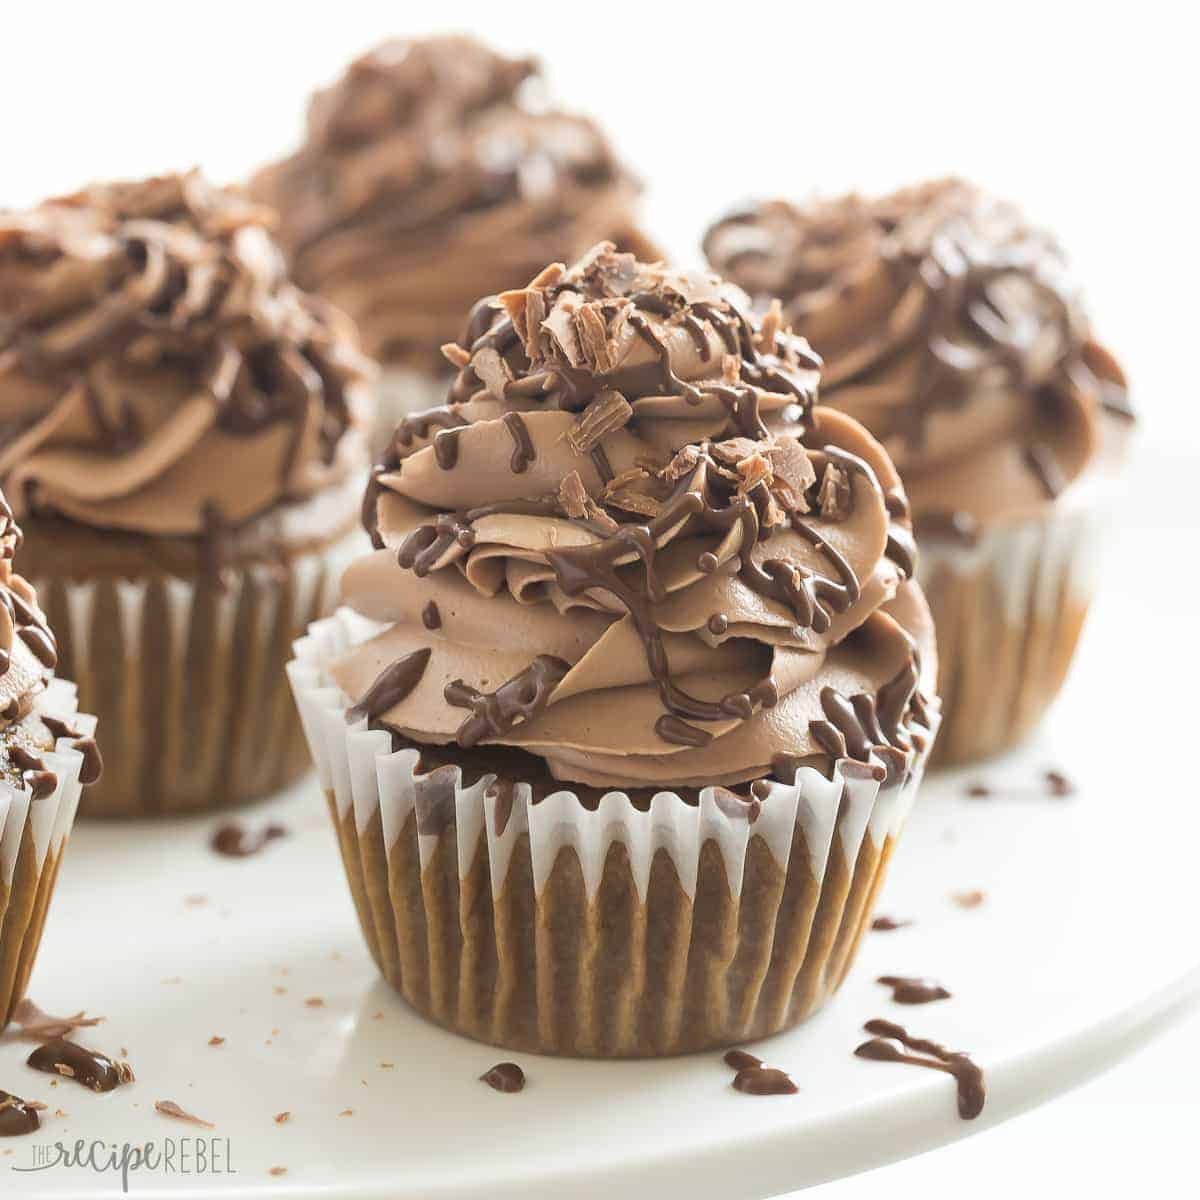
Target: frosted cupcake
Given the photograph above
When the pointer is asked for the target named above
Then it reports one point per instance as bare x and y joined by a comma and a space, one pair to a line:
47, 756
950, 328
178, 435
628, 705
432, 175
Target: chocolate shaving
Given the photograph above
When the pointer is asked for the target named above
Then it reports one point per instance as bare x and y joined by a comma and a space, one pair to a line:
608, 412
594, 344
41, 1026
455, 355
573, 496
834, 496
169, 1108
684, 463
753, 471
635, 502
733, 451
772, 322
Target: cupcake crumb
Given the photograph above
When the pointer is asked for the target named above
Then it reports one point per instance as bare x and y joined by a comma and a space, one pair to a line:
282, 1118
216, 1040
968, 899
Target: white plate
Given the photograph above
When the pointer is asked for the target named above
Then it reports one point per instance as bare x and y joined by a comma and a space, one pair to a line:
1081, 950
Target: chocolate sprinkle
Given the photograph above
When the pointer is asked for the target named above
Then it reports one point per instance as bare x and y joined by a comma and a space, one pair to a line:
882, 924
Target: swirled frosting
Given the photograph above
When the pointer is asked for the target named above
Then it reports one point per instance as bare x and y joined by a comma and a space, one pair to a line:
28, 656
630, 545
950, 328
158, 372
428, 179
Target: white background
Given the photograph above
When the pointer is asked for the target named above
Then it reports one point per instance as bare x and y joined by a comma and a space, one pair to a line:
1087, 114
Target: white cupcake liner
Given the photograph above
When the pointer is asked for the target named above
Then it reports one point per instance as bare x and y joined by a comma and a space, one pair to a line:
33, 836
1009, 608
829, 838
170, 753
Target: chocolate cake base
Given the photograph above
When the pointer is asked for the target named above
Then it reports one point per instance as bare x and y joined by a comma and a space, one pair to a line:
182, 658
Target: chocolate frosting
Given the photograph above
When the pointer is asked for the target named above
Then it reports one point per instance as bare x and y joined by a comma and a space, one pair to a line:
429, 178
950, 327
28, 656
654, 562
158, 372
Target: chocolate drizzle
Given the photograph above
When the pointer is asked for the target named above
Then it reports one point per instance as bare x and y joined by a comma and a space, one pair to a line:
87, 1067
518, 700
523, 452
34, 774
755, 1079
913, 990
17, 1117
393, 684
236, 841
890, 1042
504, 1077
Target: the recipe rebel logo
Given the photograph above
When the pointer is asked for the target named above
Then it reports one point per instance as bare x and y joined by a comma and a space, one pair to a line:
168, 1156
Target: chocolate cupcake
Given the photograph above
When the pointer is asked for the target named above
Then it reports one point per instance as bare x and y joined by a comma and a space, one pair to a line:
178, 435
430, 177
628, 705
47, 756
950, 328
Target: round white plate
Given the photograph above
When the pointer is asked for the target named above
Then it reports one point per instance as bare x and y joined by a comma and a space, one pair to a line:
1081, 949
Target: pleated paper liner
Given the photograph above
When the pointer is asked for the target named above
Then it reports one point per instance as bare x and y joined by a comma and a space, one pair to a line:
612, 931
33, 836
1008, 610
187, 678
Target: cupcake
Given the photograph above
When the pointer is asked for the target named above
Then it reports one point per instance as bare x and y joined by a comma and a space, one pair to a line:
430, 176
950, 328
180, 437
47, 756
626, 709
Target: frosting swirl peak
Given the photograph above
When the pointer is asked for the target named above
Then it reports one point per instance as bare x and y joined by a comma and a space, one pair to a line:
949, 326
429, 178
632, 546
157, 369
